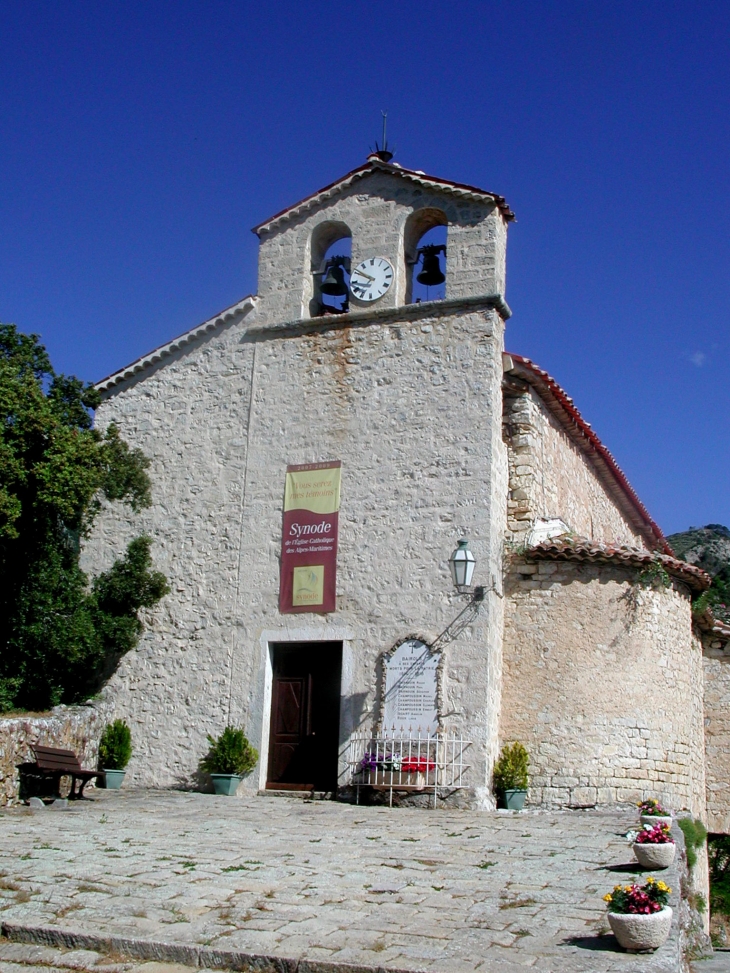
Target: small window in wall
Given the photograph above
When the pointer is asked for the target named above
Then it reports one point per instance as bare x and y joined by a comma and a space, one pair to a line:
425, 255
331, 253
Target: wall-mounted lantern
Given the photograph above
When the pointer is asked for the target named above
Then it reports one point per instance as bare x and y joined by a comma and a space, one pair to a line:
461, 565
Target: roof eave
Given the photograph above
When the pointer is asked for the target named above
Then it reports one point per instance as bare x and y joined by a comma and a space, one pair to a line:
153, 357
581, 549
608, 471
373, 165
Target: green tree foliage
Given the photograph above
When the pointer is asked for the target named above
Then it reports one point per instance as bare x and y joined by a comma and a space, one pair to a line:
719, 856
60, 634
709, 548
717, 597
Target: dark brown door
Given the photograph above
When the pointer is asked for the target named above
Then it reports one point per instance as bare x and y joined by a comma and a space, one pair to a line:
305, 716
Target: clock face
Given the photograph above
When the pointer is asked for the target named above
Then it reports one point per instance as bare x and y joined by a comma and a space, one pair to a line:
371, 279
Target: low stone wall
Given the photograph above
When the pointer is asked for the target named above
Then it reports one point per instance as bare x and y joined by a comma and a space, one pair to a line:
603, 685
76, 728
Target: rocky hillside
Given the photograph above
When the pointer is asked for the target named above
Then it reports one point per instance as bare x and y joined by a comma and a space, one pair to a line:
709, 548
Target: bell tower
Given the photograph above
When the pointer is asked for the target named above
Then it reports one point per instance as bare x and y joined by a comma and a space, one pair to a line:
382, 236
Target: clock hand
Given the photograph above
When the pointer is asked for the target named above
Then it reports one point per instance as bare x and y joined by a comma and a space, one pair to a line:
361, 274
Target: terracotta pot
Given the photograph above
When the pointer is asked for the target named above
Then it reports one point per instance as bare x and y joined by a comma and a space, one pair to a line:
637, 933
655, 819
654, 856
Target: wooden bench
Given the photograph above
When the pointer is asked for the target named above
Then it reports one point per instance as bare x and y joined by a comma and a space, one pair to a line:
50, 762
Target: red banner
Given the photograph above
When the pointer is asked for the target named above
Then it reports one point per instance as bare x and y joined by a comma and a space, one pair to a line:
308, 581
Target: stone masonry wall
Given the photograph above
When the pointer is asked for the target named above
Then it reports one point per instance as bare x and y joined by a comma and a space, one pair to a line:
76, 728
603, 685
551, 477
716, 665
220, 423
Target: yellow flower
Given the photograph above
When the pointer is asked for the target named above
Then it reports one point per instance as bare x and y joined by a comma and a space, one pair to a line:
650, 880
627, 888
607, 898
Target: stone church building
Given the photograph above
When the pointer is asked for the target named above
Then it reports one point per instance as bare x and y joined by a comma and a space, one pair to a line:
317, 452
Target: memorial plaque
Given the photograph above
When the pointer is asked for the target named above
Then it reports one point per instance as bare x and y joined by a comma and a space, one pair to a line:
411, 702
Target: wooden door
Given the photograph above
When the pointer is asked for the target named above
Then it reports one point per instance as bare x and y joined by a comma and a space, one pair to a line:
305, 716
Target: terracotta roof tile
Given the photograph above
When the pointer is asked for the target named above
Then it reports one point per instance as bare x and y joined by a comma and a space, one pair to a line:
713, 627
376, 165
581, 549
561, 405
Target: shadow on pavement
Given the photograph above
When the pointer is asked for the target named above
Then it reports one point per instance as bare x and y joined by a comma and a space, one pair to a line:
633, 868
603, 944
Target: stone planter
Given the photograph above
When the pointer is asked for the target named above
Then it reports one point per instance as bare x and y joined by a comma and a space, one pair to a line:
382, 780
514, 800
226, 784
655, 819
638, 933
113, 779
654, 856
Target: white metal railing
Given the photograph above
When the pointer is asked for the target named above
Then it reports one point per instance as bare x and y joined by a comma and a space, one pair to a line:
411, 762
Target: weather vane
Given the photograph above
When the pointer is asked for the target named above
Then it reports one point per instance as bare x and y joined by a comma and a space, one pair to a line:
382, 151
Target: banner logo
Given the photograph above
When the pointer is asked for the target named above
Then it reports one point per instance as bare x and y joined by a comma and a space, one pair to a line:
308, 581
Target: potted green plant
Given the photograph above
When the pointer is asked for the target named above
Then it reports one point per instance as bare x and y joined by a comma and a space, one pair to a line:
510, 776
638, 915
115, 750
230, 757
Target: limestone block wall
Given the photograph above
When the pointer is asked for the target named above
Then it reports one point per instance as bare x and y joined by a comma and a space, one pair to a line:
603, 685
549, 476
76, 728
376, 210
413, 410
716, 666
190, 416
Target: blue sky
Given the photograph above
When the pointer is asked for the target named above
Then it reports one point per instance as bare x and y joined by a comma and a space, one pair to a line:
141, 141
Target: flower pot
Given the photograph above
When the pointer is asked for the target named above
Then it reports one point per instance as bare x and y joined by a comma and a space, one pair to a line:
226, 784
514, 800
655, 819
113, 779
639, 932
650, 855
397, 779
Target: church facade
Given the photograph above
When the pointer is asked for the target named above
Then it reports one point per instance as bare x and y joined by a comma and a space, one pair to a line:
317, 452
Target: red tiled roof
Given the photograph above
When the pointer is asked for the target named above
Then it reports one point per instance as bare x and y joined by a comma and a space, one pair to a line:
581, 549
713, 627
608, 470
374, 164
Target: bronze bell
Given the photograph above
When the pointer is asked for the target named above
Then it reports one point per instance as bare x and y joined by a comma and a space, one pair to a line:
431, 273
334, 282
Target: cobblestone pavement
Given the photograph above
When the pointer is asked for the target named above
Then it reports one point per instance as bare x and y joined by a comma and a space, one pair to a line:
21, 958
320, 882
719, 962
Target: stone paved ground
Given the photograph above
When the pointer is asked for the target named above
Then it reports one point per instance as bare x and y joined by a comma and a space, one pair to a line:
455, 891
719, 962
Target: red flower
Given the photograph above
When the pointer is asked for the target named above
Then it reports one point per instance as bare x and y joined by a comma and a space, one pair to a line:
658, 835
